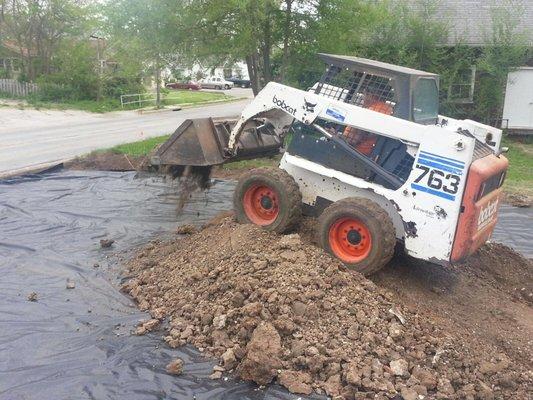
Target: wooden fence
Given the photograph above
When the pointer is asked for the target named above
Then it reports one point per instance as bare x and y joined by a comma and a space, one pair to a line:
16, 88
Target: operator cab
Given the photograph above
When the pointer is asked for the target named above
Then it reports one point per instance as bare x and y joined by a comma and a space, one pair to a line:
384, 88
411, 94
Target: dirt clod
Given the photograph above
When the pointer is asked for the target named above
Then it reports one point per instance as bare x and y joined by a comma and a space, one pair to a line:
147, 326
175, 367
106, 243
273, 307
187, 229
32, 296
262, 359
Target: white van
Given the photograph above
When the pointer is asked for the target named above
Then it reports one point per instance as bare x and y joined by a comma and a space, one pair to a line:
216, 82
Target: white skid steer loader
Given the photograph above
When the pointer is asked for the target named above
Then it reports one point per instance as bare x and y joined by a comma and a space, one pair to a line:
367, 153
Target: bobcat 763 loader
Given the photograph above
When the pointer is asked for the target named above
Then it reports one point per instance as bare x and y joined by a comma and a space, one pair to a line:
367, 152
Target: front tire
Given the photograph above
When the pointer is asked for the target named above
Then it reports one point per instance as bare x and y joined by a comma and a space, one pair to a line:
359, 233
268, 197
227, 87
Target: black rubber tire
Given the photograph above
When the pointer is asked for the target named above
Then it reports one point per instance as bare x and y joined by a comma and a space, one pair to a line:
226, 87
218, 87
376, 220
290, 198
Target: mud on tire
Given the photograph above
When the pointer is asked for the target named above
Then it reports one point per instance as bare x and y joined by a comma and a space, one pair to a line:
358, 232
268, 197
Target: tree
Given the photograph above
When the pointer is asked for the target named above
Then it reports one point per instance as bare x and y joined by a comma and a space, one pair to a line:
38, 28
227, 31
150, 30
506, 47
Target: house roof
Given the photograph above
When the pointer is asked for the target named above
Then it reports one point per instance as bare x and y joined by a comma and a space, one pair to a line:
376, 65
470, 21
13, 46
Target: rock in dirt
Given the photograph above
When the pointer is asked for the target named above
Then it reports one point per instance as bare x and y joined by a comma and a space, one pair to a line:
262, 359
296, 381
216, 375
106, 243
274, 307
399, 367
175, 367
32, 296
228, 359
70, 284
147, 326
409, 394
187, 229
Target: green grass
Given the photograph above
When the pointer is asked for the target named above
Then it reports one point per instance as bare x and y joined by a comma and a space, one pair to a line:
520, 174
141, 148
253, 163
177, 97
193, 97
105, 105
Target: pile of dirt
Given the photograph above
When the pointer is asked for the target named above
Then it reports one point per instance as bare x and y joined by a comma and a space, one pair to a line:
518, 199
278, 308
108, 161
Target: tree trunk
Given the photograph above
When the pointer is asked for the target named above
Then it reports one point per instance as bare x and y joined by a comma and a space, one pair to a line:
286, 33
157, 84
251, 64
267, 45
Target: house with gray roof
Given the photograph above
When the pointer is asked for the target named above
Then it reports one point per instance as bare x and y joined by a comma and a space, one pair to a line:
475, 23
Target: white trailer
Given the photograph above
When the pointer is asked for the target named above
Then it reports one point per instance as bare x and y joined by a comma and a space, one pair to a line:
518, 106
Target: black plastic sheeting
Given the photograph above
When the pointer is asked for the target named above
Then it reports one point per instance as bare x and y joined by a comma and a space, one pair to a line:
77, 343
515, 229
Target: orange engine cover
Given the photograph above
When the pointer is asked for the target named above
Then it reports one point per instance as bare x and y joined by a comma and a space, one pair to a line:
480, 205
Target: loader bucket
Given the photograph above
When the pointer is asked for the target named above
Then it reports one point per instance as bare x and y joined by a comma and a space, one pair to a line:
201, 142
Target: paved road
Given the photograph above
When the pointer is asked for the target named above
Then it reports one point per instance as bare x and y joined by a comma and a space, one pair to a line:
30, 142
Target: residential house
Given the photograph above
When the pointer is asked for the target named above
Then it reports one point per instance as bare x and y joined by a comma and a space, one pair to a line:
12, 59
473, 23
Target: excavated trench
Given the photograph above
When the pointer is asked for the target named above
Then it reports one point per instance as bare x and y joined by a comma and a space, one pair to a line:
77, 342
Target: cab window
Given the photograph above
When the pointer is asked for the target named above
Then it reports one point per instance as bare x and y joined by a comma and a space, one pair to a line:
425, 101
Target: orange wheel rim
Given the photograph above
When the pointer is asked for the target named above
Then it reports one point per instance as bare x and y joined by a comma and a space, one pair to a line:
350, 240
261, 204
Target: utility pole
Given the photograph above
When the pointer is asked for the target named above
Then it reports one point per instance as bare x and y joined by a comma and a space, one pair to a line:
100, 67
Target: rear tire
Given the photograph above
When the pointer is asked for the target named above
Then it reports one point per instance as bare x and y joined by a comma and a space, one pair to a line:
217, 87
268, 197
359, 233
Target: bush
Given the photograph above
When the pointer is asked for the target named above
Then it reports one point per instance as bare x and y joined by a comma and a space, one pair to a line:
54, 92
118, 85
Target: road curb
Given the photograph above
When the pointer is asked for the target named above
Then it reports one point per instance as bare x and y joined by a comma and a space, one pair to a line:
189, 105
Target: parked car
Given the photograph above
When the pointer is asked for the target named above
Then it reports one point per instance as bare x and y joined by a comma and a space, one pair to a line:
244, 83
190, 85
216, 82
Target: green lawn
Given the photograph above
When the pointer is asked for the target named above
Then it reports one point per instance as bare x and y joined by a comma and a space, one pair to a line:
142, 148
174, 97
253, 163
520, 174
193, 97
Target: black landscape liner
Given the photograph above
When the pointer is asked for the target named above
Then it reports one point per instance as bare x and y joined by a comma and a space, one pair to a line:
77, 343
